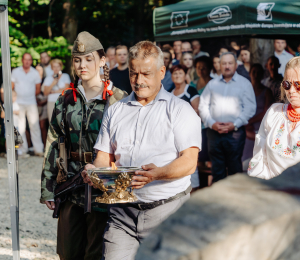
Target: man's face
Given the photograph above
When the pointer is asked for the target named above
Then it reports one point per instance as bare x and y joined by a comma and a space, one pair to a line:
110, 54
122, 56
167, 59
45, 59
177, 46
145, 77
27, 61
279, 45
273, 66
228, 65
196, 46
186, 46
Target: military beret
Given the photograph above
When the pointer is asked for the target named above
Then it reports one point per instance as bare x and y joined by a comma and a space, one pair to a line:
85, 43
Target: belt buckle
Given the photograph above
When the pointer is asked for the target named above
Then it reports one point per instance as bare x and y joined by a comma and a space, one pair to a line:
84, 156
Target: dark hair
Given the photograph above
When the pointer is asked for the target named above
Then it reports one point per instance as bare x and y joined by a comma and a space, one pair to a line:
69, 96
260, 68
245, 48
25, 54
179, 67
215, 56
274, 58
119, 47
167, 51
208, 62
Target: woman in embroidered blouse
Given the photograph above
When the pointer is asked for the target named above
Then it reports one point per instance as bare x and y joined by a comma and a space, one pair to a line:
277, 144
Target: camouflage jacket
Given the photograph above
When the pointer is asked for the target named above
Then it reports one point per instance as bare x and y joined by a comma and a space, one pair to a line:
87, 114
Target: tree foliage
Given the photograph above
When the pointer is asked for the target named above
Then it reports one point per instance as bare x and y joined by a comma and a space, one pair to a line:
112, 21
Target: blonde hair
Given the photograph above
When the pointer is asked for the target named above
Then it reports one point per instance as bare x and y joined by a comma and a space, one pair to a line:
191, 71
58, 61
293, 63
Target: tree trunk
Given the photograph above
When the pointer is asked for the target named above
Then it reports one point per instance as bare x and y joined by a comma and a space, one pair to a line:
261, 50
69, 26
140, 23
49, 20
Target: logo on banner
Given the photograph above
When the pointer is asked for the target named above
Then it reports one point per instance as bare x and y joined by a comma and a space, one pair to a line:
179, 19
264, 11
220, 14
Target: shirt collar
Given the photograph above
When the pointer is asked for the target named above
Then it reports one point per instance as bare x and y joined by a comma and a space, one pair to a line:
161, 95
234, 78
98, 97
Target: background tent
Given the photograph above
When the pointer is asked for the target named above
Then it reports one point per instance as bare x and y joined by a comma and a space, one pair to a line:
202, 19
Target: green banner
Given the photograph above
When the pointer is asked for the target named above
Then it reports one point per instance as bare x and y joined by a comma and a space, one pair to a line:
3, 2
202, 19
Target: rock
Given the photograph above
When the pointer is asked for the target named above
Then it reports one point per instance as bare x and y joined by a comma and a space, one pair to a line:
237, 218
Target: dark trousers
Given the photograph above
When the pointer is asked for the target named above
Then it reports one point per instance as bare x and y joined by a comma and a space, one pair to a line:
225, 151
79, 235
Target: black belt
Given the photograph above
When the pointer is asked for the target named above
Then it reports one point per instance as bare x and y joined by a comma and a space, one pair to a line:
152, 205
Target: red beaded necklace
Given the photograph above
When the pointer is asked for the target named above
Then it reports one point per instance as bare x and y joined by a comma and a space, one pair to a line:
292, 114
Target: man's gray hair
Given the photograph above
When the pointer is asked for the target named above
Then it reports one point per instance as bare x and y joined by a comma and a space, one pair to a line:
230, 53
146, 49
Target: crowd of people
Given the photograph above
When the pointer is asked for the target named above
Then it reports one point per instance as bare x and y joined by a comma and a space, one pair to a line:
191, 74
165, 110
230, 93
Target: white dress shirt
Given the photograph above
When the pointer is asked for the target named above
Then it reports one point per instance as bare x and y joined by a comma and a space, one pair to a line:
284, 58
275, 149
25, 85
155, 133
224, 102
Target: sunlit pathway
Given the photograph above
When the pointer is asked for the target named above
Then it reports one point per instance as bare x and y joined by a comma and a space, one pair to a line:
37, 227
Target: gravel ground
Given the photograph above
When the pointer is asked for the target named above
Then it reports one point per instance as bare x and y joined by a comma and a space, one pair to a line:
37, 227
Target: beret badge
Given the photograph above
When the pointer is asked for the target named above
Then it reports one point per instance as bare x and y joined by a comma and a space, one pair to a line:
81, 47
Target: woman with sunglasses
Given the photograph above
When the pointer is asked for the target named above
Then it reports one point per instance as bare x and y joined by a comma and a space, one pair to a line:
277, 144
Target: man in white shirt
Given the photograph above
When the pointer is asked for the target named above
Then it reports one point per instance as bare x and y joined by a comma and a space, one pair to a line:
157, 131
226, 105
26, 82
281, 54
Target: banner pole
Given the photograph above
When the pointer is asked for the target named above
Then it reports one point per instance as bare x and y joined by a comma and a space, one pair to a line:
9, 132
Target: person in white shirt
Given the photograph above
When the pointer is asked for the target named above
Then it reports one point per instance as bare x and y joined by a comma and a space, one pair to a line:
152, 129
226, 105
26, 82
281, 54
54, 85
277, 144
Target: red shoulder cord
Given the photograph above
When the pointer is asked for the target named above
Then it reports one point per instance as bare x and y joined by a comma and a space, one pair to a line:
106, 91
74, 91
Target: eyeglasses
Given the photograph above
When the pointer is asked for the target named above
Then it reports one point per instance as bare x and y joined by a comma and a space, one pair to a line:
287, 85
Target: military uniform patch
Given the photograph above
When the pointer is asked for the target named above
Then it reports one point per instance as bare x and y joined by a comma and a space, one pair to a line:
81, 47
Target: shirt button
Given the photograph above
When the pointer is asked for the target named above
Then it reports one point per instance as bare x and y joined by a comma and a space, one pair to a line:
137, 142
140, 124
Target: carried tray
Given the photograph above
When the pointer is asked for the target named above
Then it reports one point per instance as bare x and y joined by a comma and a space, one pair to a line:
114, 184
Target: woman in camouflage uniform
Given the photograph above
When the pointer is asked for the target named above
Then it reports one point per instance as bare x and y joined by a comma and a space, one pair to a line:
77, 116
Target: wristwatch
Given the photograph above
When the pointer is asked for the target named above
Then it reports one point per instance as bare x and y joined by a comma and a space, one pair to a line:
235, 127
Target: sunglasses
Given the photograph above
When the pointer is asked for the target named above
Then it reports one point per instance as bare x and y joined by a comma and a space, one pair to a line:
287, 85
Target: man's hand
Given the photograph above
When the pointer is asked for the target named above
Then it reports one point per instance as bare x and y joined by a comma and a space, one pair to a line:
85, 176
229, 126
220, 128
151, 172
50, 205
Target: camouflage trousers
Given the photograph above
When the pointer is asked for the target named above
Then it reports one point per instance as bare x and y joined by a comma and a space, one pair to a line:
79, 235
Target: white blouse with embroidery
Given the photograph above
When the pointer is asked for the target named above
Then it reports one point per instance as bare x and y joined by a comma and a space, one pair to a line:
275, 148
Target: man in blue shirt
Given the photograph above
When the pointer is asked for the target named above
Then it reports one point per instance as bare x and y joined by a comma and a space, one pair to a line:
167, 81
226, 105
